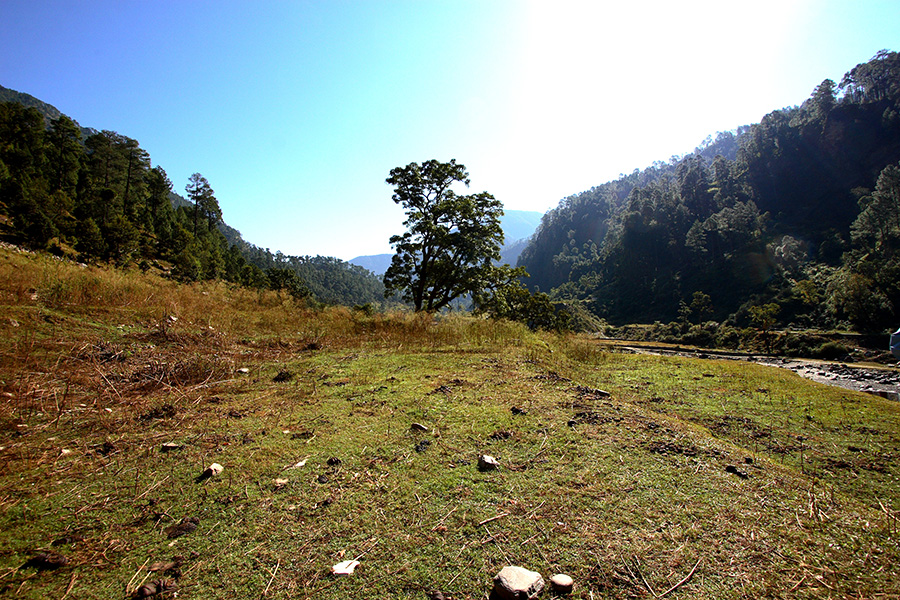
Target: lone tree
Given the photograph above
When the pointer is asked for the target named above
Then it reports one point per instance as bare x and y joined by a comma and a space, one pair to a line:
450, 241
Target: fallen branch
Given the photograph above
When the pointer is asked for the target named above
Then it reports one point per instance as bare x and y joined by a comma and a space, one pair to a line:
500, 516
441, 522
683, 581
266, 591
69, 589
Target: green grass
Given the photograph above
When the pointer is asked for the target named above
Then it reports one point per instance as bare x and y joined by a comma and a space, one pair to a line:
627, 493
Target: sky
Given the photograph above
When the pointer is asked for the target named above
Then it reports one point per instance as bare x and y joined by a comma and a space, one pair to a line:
296, 111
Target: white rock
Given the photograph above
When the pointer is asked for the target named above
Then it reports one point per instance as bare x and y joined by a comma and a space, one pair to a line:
213, 470
518, 583
344, 568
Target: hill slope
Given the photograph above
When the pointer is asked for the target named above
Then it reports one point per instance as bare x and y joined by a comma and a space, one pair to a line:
774, 213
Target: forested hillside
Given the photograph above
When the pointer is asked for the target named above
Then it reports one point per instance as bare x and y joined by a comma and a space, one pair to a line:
94, 196
799, 213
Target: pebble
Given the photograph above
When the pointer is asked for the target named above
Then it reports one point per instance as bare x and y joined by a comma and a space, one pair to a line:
562, 584
486, 462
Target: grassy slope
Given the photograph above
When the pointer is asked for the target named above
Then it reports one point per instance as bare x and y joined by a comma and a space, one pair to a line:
627, 493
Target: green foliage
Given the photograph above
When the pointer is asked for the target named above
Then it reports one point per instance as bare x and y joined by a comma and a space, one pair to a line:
287, 280
450, 241
745, 218
507, 298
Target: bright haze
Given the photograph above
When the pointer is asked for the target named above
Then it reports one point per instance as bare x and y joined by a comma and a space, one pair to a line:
296, 111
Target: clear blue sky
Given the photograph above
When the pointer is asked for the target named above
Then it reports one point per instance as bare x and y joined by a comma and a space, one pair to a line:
296, 111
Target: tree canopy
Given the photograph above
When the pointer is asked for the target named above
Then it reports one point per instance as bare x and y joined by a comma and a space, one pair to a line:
451, 240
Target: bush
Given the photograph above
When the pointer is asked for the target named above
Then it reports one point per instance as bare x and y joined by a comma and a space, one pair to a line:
831, 351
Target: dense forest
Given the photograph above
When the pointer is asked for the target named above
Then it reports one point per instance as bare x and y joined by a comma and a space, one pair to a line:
94, 196
791, 221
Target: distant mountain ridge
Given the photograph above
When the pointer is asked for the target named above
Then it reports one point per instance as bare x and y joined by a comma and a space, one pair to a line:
518, 226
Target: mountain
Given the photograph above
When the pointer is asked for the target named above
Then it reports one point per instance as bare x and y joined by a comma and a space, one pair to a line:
517, 226
797, 214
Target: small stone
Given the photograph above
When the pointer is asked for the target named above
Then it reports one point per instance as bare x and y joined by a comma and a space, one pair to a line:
280, 483
562, 584
518, 583
323, 479
734, 470
186, 526
47, 561
486, 462
282, 376
334, 461
344, 568
518, 411
170, 447
154, 588
243, 370
213, 470
418, 427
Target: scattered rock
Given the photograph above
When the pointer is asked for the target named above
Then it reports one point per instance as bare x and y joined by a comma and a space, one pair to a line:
104, 449
67, 539
212, 470
170, 447
518, 583
422, 446
170, 566
344, 568
562, 584
282, 376
486, 462
501, 435
280, 483
243, 371
734, 470
418, 427
323, 479
333, 462
518, 411
165, 411
47, 561
154, 588
186, 526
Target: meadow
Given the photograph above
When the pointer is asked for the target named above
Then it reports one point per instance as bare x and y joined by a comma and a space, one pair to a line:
347, 435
